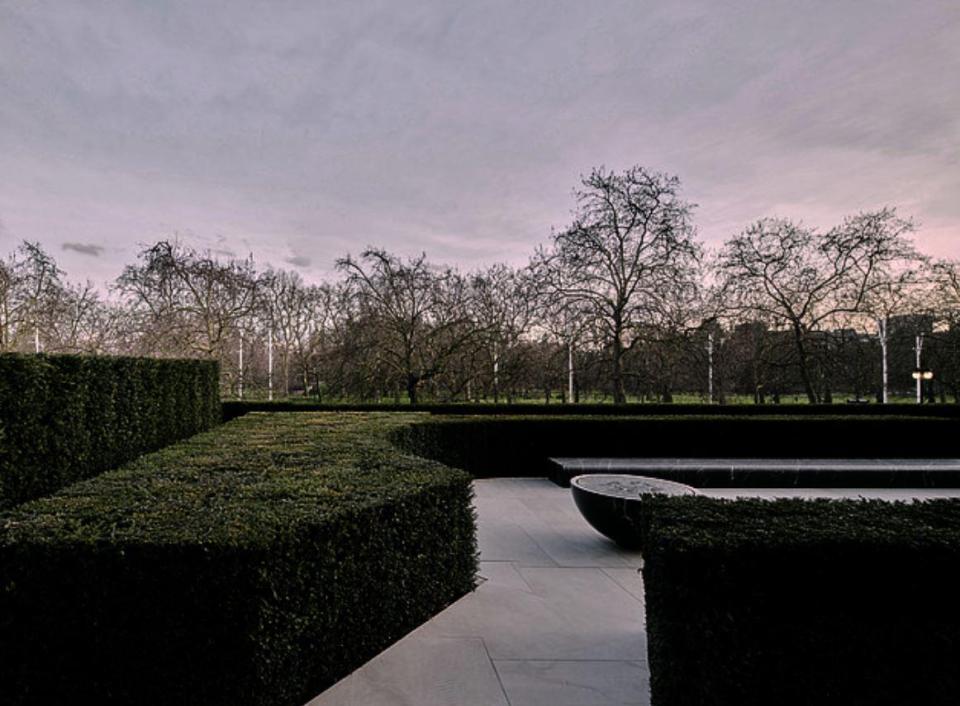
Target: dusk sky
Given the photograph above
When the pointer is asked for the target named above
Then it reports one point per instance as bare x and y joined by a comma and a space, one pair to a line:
299, 131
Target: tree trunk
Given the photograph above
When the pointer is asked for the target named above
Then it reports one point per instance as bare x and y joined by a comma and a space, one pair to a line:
666, 394
804, 365
413, 382
619, 393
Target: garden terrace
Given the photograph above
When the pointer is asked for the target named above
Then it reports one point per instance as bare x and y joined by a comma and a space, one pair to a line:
264, 560
252, 564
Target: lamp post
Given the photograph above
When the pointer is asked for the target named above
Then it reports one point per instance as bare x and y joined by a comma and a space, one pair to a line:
710, 368
921, 376
240, 376
918, 370
270, 363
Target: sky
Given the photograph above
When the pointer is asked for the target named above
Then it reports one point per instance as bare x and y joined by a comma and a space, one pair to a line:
300, 131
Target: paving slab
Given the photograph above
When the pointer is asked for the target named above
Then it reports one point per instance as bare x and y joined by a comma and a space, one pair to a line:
577, 683
558, 607
567, 614
422, 670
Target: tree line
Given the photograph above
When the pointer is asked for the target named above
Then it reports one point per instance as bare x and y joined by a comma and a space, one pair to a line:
625, 303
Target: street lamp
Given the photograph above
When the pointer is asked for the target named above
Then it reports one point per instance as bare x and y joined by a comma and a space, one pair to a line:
921, 376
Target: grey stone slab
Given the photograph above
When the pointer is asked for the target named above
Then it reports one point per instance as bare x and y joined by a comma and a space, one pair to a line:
630, 580
563, 683
508, 487
541, 529
503, 574
422, 671
510, 542
579, 547
567, 614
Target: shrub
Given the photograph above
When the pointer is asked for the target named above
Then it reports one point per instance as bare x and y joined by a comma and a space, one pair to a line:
257, 564
802, 602
66, 417
521, 446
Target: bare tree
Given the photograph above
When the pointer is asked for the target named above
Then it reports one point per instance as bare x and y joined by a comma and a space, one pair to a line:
295, 314
800, 279
505, 302
185, 302
422, 315
30, 289
630, 235
944, 276
80, 321
566, 323
188, 300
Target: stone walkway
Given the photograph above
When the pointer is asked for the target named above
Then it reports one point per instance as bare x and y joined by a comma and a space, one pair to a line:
557, 621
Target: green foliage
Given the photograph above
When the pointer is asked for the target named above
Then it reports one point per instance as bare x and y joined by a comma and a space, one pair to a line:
521, 445
69, 417
802, 602
254, 564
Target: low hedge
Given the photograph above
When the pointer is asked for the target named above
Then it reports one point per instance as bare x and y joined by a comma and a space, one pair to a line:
521, 446
254, 564
802, 602
64, 418
237, 408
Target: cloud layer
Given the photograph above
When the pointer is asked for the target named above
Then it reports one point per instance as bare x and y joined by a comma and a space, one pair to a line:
299, 131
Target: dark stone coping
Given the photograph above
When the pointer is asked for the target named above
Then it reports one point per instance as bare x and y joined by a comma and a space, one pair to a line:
771, 473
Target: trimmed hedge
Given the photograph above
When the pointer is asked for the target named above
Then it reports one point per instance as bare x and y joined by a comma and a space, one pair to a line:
64, 418
520, 446
254, 564
235, 408
802, 602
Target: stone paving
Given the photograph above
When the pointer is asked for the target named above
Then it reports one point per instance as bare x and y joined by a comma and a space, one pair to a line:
557, 621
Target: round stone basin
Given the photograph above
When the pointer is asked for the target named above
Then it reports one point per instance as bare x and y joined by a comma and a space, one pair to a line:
605, 502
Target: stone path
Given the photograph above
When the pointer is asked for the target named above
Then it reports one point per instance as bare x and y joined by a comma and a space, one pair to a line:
558, 620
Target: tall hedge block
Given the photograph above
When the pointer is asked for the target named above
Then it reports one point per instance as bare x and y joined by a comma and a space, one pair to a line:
64, 418
827, 602
255, 564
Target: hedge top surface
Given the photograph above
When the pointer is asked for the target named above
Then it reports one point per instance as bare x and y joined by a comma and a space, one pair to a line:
249, 482
684, 525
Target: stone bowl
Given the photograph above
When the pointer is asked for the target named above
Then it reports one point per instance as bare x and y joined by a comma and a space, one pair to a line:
608, 502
